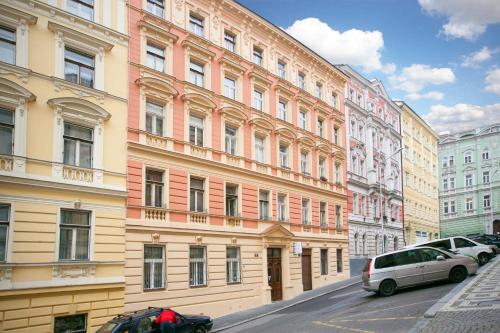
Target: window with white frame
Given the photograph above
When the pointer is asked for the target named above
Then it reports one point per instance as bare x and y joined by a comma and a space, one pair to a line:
154, 188
301, 78
4, 230
155, 57
486, 201
79, 67
363, 205
82, 8
154, 118
322, 214
282, 110
322, 168
283, 155
233, 265
354, 164
338, 218
197, 266
154, 267
257, 55
336, 135
486, 177
196, 73
321, 127
73, 324
302, 120
362, 169
232, 200
445, 184
337, 173
155, 7
259, 148
334, 100
468, 158
8, 45
468, 180
282, 207
258, 100
485, 155
229, 88
196, 24
305, 211
196, 130
78, 144
446, 208
469, 204
231, 140
196, 194
74, 235
282, 69
229, 41
452, 183
304, 162
324, 261
6, 131
317, 90
452, 206
451, 161
263, 205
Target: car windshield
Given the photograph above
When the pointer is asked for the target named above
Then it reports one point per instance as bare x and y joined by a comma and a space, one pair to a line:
107, 328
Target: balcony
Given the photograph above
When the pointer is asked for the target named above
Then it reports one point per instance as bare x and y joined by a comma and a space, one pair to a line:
156, 141
155, 214
306, 226
198, 217
262, 168
285, 173
74, 173
198, 151
233, 160
233, 220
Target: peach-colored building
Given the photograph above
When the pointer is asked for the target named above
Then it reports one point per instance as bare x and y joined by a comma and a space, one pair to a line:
236, 161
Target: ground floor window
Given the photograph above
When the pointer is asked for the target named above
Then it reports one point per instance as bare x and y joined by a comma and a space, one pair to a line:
233, 265
71, 324
154, 267
339, 261
197, 266
324, 261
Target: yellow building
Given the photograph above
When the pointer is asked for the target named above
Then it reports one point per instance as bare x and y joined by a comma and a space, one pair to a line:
421, 204
63, 113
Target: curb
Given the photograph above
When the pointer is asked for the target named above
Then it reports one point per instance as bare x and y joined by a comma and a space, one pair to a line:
282, 308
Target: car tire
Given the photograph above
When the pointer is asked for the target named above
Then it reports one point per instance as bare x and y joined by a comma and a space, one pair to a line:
199, 329
458, 274
387, 288
482, 258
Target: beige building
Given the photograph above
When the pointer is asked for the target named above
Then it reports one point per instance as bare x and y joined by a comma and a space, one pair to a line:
63, 112
420, 190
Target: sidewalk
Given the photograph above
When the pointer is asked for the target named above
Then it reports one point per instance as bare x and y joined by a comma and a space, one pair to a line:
472, 306
241, 317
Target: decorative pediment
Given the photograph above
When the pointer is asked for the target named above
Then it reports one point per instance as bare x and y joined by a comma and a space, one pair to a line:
15, 91
259, 79
79, 108
285, 132
197, 47
303, 100
321, 146
231, 65
306, 141
261, 123
234, 114
277, 231
284, 88
76, 37
160, 87
193, 99
154, 28
339, 155
15, 16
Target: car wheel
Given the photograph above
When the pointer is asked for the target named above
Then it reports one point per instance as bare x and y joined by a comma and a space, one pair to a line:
482, 258
199, 329
387, 288
458, 274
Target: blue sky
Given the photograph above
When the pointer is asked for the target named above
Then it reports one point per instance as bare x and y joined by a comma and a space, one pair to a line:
441, 56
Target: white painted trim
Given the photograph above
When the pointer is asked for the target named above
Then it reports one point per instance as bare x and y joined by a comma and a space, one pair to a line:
61, 203
70, 282
10, 236
120, 17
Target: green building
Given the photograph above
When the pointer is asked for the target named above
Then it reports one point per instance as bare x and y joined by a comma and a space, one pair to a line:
469, 182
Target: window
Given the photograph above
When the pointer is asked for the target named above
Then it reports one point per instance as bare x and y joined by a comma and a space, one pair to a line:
354, 164
258, 100
486, 155
231, 200
281, 69
154, 118
302, 120
322, 214
282, 110
229, 88
8, 45
6, 132
321, 128
452, 206
229, 41
452, 183
196, 74
155, 57
336, 135
82, 8
324, 261
79, 67
155, 7
257, 56
446, 207
462, 242
196, 131
197, 266
4, 230
317, 90
339, 261
304, 163
355, 203
486, 202
468, 158
445, 184
363, 205
486, 177
259, 149
338, 221
230, 140
197, 195
468, 180
233, 265
154, 188
78, 143
468, 204
263, 205
154, 267
281, 207
283, 156
305, 211
451, 161
302, 80
196, 25
337, 173
74, 237
322, 168
71, 324
334, 100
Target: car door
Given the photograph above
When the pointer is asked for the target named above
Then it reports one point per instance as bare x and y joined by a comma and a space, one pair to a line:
433, 269
183, 325
465, 247
145, 325
408, 268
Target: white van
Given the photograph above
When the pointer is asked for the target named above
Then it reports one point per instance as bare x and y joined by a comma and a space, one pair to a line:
464, 246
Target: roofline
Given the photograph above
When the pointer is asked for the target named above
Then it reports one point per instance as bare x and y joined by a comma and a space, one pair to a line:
420, 118
457, 136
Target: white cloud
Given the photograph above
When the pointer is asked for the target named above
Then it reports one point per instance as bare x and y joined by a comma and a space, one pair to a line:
492, 81
461, 117
416, 77
467, 19
475, 58
353, 47
437, 95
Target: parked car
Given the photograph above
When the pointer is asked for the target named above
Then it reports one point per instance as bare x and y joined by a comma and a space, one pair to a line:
142, 322
391, 271
487, 240
483, 253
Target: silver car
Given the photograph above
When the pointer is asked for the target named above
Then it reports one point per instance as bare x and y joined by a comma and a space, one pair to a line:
388, 272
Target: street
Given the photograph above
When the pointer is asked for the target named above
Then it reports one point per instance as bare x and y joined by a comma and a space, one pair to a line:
352, 310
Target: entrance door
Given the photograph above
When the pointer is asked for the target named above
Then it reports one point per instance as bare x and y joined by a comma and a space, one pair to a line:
496, 227
274, 273
306, 269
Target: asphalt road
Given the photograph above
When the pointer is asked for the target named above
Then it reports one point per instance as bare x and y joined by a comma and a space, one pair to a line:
351, 310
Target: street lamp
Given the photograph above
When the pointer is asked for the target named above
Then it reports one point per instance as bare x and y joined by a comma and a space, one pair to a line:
380, 198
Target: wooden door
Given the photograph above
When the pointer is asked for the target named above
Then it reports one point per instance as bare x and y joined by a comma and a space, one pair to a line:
496, 227
306, 269
274, 273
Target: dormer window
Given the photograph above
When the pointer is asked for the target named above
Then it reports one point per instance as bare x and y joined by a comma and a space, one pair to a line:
79, 67
229, 41
257, 56
155, 7
82, 8
196, 25
8, 45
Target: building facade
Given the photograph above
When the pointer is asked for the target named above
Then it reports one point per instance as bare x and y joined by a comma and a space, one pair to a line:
236, 161
63, 112
421, 203
373, 136
469, 189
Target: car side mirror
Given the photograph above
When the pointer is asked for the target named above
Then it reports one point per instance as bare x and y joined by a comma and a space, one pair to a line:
440, 258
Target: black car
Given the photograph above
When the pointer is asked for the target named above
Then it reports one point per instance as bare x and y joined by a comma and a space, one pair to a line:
487, 240
142, 322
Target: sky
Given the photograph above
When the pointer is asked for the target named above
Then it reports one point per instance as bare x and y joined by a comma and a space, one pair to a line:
442, 57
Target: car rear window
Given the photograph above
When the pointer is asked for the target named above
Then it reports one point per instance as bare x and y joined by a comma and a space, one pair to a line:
384, 262
445, 243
